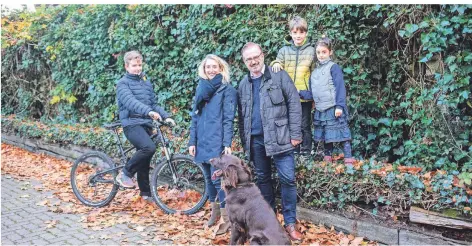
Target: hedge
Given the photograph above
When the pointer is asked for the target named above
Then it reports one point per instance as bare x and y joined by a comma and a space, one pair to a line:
407, 67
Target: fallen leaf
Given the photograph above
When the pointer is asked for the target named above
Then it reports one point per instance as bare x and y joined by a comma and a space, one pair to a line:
357, 241
105, 237
140, 228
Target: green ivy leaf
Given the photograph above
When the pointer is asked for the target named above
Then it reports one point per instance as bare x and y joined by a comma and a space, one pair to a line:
411, 28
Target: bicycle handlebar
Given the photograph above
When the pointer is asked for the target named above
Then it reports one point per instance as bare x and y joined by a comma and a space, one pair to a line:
158, 123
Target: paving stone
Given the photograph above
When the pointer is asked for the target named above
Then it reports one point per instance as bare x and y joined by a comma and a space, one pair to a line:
26, 240
39, 242
14, 236
48, 236
81, 236
23, 222
74, 241
7, 242
59, 239
32, 227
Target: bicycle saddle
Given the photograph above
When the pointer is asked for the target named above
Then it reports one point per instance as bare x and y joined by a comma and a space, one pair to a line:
113, 125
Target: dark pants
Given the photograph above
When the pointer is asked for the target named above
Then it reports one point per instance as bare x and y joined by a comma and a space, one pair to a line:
140, 162
328, 149
213, 186
306, 127
285, 165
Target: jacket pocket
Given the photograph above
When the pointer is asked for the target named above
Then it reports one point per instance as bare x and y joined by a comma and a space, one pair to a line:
276, 95
282, 131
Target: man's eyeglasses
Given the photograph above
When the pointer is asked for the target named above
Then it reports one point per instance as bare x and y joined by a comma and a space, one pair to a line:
255, 58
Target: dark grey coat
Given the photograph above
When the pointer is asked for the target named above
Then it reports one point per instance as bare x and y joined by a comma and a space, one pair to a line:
136, 98
281, 112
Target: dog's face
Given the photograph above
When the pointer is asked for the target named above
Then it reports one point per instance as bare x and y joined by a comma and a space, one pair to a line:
232, 170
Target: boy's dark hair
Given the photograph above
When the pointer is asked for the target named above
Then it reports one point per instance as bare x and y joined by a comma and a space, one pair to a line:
298, 23
325, 41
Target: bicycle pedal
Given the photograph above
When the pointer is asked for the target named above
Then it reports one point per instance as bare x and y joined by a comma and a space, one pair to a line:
127, 188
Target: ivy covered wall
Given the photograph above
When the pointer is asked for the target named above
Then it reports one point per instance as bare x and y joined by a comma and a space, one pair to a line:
407, 67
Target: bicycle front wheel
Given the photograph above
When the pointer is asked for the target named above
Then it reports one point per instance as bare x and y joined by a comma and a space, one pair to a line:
182, 190
90, 187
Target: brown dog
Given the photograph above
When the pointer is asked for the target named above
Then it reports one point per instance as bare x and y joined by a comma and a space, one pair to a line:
250, 215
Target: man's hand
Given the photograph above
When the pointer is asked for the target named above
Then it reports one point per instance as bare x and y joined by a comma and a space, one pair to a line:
228, 150
338, 112
155, 116
295, 142
191, 150
276, 68
171, 121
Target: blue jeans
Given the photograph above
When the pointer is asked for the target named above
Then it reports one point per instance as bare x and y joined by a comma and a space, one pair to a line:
285, 165
213, 186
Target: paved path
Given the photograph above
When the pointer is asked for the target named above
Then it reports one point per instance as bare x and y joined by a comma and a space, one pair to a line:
26, 223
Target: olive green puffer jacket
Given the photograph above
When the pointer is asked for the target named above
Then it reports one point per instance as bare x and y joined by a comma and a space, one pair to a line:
298, 62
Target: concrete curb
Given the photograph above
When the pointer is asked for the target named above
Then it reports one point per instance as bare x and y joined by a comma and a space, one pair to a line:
373, 231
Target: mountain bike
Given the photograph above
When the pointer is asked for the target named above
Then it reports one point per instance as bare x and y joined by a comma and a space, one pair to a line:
177, 182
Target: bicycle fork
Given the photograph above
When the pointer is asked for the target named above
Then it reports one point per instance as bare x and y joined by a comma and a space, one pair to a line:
169, 162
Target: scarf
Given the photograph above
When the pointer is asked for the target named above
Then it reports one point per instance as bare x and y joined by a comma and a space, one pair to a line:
205, 90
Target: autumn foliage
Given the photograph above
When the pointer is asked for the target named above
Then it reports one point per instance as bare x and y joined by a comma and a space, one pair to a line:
128, 208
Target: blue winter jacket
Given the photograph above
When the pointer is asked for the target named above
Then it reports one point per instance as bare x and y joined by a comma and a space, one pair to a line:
212, 129
136, 98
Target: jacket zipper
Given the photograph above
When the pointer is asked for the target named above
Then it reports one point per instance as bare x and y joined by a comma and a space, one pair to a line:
296, 66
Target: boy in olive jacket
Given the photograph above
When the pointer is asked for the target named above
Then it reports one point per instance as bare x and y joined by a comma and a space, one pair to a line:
297, 58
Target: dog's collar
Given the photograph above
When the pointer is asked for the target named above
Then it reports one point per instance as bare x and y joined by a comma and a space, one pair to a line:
244, 184
240, 186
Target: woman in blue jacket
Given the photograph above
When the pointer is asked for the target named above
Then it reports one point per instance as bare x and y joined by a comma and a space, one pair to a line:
211, 132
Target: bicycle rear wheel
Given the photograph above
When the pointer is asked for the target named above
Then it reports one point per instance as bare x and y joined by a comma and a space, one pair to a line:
92, 189
185, 192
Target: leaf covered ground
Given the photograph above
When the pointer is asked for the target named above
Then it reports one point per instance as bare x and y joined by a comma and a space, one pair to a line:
128, 208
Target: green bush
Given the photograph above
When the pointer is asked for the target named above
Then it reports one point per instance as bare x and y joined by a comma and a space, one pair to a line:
407, 67
391, 188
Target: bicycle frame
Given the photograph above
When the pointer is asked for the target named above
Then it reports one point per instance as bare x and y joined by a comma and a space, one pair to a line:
162, 139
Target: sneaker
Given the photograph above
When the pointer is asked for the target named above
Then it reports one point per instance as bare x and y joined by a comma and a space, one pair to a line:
147, 198
124, 180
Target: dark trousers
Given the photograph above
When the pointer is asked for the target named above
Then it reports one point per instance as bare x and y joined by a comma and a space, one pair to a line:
140, 162
213, 186
306, 145
285, 165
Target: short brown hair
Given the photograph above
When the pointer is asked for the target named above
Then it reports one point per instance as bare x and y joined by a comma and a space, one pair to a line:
298, 23
325, 41
131, 55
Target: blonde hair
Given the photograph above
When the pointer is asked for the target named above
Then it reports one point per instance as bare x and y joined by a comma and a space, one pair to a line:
298, 23
223, 66
131, 55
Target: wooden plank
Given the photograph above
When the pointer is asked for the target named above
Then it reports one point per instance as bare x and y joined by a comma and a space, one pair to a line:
422, 216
